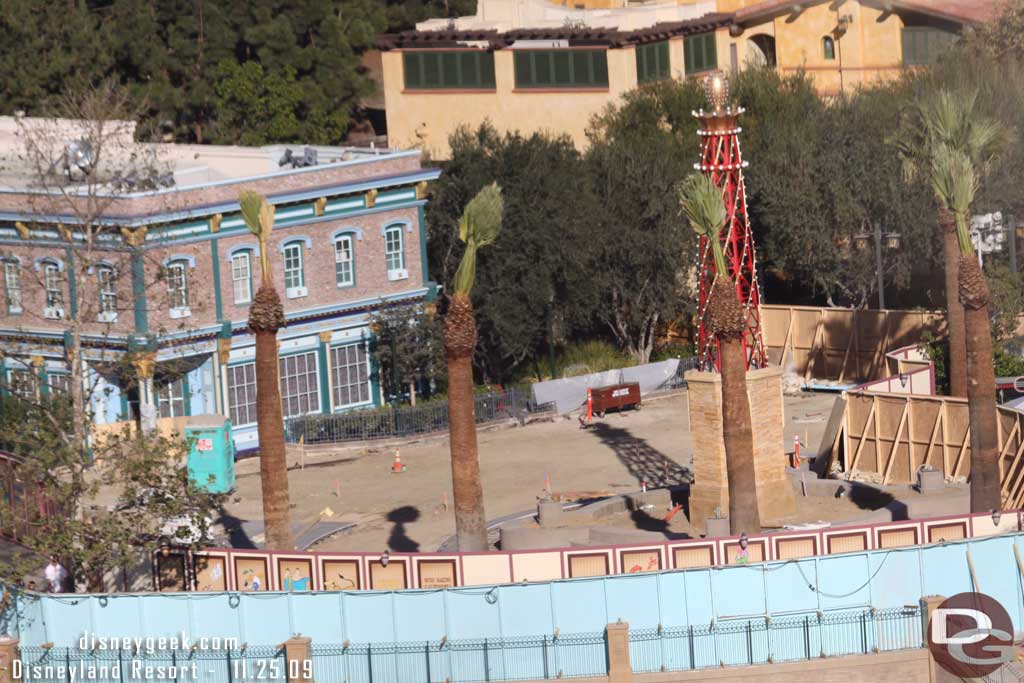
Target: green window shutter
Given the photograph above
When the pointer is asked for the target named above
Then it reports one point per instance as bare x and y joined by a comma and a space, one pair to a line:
710, 52
542, 68
450, 70
600, 64
469, 70
641, 64
661, 52
688, 64
562, 68
411, 65
523, 68
486, 62
431, 70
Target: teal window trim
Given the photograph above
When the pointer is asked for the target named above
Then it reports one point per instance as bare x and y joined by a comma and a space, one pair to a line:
421, 219
218, 296
467, 69
565, 68
139, 292
11, 266
72, 284
652, 62
375, 386
700, 53
344, 242
250, 256
322, 372
364, 345
319, 372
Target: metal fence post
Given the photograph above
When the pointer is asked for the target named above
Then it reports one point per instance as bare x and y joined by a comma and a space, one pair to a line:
120, 664
426, 653
369, 662
67, 663
750, 644
544, 649
693, 660
174, 663
807, 636
487, 664
864, 631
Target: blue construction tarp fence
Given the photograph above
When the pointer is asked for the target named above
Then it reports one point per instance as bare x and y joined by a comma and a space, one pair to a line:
680, 619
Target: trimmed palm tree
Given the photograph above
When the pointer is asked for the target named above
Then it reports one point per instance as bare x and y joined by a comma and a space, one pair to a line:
478, 227
701, 202
949, 119
954, 180
266, 317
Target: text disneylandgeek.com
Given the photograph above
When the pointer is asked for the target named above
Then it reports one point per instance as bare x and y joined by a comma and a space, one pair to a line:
174, 658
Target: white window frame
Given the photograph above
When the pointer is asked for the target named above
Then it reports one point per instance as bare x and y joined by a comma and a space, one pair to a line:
107, 294
341, 243
394, 259
285, 396
12, 285
165, 396
232, 392
336, 376
298, 288
238, 280
178, 294
53, 285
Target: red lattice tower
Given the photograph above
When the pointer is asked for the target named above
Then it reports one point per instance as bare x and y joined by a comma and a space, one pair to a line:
720, 158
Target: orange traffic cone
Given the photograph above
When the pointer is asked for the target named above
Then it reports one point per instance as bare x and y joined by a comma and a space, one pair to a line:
397, 467
796, 452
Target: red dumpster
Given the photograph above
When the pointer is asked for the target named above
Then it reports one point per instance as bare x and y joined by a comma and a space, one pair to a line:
615, 396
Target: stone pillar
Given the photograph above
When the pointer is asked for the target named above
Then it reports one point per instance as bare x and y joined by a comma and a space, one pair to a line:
936, 674
710, 490
619, 668
298, 659
145, 364
8, 653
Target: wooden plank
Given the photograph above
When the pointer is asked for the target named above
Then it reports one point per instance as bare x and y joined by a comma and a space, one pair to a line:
789, 338
812, 357
910, 435
960, 455
927, 460
1013, 466
1009, 442
863, 438
945, 440
878, 441
896, 443
882, 348
849, 345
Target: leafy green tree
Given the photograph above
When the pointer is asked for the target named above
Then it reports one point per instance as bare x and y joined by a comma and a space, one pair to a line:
403, 14
408, 349
106, 512
256, 108
637, 251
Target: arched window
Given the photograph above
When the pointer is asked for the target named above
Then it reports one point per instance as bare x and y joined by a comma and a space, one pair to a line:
12, 285
394, 252
828, 48
177, 288
107, 283
53, 283
241, 276
345, 260
294, 266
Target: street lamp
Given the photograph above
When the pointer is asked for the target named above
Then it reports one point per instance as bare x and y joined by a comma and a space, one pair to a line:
892, 241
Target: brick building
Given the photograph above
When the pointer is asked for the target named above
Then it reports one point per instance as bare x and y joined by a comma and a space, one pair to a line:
160, 293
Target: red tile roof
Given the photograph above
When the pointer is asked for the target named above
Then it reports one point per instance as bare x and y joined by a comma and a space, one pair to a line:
959, 11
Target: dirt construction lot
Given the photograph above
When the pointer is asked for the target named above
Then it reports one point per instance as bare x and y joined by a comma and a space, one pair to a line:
406, 512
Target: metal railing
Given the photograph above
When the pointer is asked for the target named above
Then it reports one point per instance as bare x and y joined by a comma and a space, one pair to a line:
65, 665
408, 421
775, 639
464, 661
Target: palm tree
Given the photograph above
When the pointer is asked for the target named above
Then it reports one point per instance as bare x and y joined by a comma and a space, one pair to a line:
266, 317
943, 118
478, 227
954, 180
702, 204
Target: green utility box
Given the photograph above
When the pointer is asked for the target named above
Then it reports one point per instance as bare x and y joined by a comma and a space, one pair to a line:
211, 458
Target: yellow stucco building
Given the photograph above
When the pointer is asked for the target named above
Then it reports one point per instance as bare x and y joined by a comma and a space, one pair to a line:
535, 65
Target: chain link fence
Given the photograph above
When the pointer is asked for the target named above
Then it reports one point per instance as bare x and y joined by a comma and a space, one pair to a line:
389, 423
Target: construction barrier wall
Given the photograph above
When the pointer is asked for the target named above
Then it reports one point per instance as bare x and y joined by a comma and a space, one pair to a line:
891, 435
881, 578
842, 344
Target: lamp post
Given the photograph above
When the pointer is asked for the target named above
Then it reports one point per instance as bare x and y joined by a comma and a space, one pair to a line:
892, 241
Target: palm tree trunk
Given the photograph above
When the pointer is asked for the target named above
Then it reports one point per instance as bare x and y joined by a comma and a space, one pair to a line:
265, 317
956, 331
981, 389
725, 316
739, 440
467, 490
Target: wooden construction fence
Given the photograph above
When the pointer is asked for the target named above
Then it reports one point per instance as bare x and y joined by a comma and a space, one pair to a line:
842, 344
892, 435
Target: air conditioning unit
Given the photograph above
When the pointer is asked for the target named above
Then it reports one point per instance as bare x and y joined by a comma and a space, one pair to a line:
107, 316
296, 292
183, 312
399, 274
54, 312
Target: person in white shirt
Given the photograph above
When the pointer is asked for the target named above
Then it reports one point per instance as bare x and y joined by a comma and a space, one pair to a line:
55, 575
